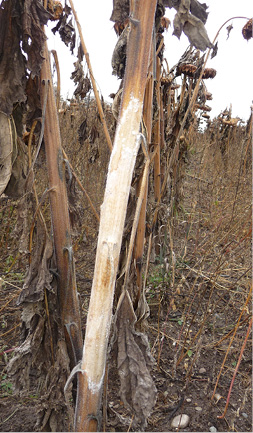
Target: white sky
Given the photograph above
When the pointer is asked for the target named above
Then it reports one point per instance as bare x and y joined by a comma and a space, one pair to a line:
233, 83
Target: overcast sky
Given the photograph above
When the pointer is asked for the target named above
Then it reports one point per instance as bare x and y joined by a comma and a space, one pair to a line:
233, 83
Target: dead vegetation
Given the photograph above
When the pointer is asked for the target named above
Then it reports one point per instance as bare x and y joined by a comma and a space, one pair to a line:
199, 282
185, 260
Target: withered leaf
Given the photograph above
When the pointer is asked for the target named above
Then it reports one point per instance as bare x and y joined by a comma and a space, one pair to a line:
83, 83
120, 10
67, 34
20, 26
6, 143
82, 132
66, 29
189, 18
33, 17
39, 276
119, 54
16, 187
199, 10
229, 28
193, 28
12, 61
137, 390
214, 50
93, 135
21, 229
53, 400
33, 99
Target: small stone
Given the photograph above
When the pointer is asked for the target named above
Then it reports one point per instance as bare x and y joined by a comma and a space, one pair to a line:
202, 370
213, 429
217, 397
244, 415
180, 421
188, 400
198, 408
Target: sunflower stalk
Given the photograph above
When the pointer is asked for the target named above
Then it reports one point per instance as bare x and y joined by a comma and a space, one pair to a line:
69, 305
113, 213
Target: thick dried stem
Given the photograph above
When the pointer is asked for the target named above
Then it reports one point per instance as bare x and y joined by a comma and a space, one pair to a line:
69, 305
113, 213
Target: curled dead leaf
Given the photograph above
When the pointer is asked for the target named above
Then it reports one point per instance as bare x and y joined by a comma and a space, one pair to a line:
137, 391
6, 150
191, 25
39, 276
17, 186
119, 54
66, 29
120, 10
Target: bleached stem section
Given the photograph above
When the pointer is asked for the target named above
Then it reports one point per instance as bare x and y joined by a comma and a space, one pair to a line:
113, 212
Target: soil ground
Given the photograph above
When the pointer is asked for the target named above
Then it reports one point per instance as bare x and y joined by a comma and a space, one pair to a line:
197, 290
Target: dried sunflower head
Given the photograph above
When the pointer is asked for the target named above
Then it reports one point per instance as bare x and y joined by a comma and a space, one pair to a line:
165, 23
187, 69
247, 30
209, 73
209, 96
56, 9
206, 116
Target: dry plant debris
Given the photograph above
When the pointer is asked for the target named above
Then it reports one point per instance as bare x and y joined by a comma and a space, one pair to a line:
198, 268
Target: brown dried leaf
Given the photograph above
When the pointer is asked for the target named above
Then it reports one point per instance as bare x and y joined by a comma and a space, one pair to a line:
75, 209
83, 83
195, 30
119, 54
6, 149
93, 134
25, 355
137, 390
229, 28
32, 361
12, 73
20, 26
120, 10
191, 23
53, 400
16, 187
199, 10
82, 132
66, 29
33, 99
22, 226
33, 17
39, 277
